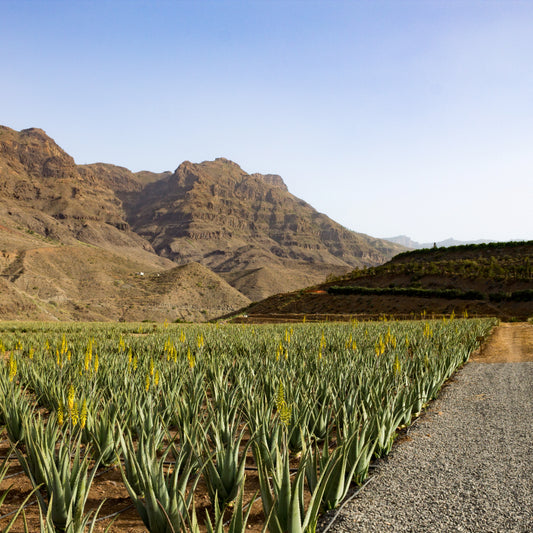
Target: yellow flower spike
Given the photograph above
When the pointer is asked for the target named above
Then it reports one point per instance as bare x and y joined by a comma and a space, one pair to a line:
135, 362
191, 358
32, 352
156, 378
285, 415
286, 354
60, 414
12, 367
96, 362
147, 382
151, 367
397, 366
83, 414
280, 397
70, 399
130, 357
75, 414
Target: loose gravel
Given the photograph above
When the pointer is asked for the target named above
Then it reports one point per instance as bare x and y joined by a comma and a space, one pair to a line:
466, 465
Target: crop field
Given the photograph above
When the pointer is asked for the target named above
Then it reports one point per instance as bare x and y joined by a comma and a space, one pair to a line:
212, 427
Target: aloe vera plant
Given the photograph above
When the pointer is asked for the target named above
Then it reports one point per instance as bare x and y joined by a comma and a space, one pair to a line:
102, 433
159, 494
224, 469
283, 498
16, 409
237, 523
66, 479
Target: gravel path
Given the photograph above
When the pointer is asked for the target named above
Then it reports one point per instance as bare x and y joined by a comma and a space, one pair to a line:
467, 465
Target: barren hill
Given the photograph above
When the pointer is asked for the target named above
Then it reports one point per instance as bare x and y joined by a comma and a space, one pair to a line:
42, 190
67, 252
45, 281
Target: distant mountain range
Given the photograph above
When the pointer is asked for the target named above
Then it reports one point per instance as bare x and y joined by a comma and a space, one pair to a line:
99, 242
403, 240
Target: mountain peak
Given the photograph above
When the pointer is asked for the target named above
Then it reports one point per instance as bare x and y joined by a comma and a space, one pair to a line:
35, 132
272, 179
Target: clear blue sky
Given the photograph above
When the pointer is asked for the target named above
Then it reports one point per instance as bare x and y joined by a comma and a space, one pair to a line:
392, 117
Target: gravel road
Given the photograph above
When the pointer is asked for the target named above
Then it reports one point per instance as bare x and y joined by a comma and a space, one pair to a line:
467, 464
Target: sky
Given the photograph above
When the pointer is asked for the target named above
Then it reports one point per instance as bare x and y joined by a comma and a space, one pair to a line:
393, 117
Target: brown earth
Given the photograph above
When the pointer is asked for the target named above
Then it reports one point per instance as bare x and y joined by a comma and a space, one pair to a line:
509, 343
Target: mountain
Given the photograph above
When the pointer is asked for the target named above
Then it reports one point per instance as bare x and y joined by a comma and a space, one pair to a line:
241, 225
67, 251
42, 190
493, 279
403, 240
75, 238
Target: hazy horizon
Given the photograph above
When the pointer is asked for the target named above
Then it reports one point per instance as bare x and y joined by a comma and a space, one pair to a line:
393, 118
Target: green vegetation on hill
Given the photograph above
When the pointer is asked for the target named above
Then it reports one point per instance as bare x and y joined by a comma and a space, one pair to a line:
436, 263
493, 279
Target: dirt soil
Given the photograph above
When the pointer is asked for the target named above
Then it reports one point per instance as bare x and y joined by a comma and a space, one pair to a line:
509, 343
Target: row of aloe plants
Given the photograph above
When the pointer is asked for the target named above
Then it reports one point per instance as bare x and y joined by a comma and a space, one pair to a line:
306, 406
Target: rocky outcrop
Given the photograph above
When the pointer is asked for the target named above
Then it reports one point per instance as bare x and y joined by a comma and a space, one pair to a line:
43, 190
213, 212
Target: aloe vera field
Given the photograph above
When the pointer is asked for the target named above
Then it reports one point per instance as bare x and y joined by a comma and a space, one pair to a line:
212, 427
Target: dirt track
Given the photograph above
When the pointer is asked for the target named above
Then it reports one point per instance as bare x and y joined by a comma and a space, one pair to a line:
509, 343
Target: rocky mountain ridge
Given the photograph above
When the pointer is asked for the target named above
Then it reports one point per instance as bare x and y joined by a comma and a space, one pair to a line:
246, 228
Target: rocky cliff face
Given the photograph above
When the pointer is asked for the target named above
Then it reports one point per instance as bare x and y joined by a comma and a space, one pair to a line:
43, 190
217, 214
